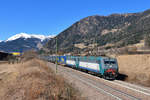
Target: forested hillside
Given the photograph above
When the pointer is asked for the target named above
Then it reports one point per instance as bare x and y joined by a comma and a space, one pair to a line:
116, 29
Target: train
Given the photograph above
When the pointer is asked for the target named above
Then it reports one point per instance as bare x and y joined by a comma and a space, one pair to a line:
105, 67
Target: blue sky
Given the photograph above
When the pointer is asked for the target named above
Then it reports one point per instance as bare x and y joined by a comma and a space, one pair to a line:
53, 16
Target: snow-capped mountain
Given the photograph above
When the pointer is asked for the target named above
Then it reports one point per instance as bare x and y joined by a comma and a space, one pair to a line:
23, 42
26, 36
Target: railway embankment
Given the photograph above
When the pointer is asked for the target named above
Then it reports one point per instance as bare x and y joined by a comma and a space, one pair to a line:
33, 80
136, 68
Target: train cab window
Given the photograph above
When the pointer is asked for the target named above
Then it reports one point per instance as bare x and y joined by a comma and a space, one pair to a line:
109, 62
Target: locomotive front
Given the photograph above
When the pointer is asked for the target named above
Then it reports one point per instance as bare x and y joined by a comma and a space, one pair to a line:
110, 68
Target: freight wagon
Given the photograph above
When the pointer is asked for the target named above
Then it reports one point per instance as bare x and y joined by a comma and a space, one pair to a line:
103, 66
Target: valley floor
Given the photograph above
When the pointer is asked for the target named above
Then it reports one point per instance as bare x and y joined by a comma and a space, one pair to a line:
37, 80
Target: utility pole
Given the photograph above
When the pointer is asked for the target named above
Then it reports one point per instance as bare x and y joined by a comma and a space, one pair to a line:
56, 55
96, 45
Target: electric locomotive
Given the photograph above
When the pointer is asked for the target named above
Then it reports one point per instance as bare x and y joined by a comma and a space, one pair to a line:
103, 66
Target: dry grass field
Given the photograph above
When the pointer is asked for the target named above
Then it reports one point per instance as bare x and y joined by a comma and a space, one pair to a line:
136, 67
33, 80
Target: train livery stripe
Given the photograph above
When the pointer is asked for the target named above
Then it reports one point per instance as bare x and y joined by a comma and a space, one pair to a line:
92, 70
94, 66
70, 62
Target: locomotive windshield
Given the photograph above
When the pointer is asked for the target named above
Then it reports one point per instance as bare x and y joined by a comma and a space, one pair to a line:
109, 62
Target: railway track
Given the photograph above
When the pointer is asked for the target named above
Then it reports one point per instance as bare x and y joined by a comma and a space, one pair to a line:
147, 90
117, 94
116, 90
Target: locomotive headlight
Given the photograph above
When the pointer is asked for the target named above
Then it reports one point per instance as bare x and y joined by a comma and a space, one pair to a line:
110, 66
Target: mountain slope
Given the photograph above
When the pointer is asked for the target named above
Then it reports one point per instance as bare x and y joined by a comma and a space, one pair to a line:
23, 42
116, 29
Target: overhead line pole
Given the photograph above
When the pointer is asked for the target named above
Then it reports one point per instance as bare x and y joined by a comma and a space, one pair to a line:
56, 54
96, 45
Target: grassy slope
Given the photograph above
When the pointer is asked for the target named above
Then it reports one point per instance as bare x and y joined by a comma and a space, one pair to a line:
33, 80
136, 67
